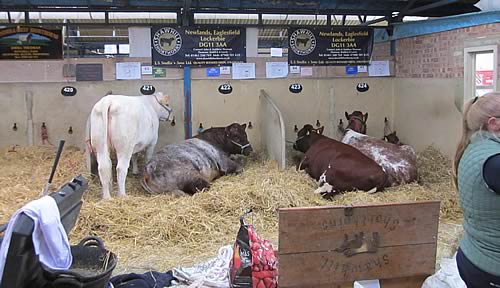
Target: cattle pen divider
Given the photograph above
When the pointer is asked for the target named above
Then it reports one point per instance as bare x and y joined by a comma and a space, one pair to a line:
272, 129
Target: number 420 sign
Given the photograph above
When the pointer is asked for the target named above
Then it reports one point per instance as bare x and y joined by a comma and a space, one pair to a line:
68, 91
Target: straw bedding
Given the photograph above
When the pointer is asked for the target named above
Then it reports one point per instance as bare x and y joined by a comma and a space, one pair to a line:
161, 232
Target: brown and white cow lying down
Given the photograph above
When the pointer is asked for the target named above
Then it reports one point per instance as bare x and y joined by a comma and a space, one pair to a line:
188, 167
398, 161
337, 167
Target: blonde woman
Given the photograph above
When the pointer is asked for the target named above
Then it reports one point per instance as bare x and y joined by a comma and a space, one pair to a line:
477, 178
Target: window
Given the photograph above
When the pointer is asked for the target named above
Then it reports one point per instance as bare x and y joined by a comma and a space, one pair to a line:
480, 71
484, 73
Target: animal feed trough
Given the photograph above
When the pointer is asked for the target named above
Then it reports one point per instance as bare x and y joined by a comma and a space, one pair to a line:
335, 246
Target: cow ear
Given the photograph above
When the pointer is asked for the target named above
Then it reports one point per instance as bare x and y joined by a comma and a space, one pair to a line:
394, 132
346, 115
320, 130
366, 116
244, 126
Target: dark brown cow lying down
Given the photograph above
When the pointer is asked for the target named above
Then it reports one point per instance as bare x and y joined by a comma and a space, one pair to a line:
337, 167
185, 168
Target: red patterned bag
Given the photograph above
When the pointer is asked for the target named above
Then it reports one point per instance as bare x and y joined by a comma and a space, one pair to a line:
254, 263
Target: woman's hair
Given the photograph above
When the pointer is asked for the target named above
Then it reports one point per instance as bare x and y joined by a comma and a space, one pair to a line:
476, 113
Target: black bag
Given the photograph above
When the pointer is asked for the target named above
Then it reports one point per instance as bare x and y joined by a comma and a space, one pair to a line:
91, 267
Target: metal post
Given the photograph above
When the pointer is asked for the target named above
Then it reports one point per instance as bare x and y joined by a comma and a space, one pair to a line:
390, 31
188, 130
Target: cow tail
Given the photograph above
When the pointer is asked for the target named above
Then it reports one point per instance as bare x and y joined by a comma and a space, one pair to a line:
90, 152
99, 123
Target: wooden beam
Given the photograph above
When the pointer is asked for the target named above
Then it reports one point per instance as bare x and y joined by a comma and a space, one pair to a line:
368, 23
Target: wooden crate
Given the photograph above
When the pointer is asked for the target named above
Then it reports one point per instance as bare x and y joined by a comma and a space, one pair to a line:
334, 246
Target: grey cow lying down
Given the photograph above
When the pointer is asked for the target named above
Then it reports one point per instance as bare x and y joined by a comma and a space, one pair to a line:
188, 167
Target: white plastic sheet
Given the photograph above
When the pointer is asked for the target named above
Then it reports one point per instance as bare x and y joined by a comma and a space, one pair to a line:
446, 277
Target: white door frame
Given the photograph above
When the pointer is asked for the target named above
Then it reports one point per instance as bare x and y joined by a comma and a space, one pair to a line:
470, 67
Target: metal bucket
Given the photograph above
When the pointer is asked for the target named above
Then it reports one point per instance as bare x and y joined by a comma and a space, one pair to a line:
91, 268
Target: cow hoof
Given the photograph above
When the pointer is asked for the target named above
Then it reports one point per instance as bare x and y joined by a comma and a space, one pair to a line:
328, 196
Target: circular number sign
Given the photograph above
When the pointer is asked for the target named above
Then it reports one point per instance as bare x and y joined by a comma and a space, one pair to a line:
147, 89
225, 89
362, 87
68, 91
295, 88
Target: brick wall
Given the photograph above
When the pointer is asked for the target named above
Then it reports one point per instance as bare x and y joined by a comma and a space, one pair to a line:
438, 55
381, 51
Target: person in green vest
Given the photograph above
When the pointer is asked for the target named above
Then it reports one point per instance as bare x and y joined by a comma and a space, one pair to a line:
477, 178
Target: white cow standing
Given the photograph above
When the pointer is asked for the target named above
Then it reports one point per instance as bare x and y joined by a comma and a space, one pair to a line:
126, 125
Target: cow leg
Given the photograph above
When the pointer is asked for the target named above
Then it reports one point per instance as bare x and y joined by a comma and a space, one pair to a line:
149, 152
194, 185
302, 165
229, 166
135, 169
121, 171
324, 186
178, 193
105, 174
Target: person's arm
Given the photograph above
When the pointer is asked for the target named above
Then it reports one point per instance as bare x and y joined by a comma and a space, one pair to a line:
491, 173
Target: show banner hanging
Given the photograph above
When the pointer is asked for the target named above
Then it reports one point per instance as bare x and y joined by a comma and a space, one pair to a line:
179, 46
335, 46
30, 43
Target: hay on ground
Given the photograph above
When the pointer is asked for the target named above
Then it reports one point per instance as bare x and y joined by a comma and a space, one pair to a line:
160, 232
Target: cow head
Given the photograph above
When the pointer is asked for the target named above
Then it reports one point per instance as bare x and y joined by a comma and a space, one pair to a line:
357, 121
236, 140
392, 138
165, 112
306, 137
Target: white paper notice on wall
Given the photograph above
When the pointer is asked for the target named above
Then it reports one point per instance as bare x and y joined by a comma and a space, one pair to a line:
294, 69
128, 70
124, 48
110, 49
225, 70
367, 284
276, 52
306, 71
379, 68
147, 70
276, 69
243, 70
362, 69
